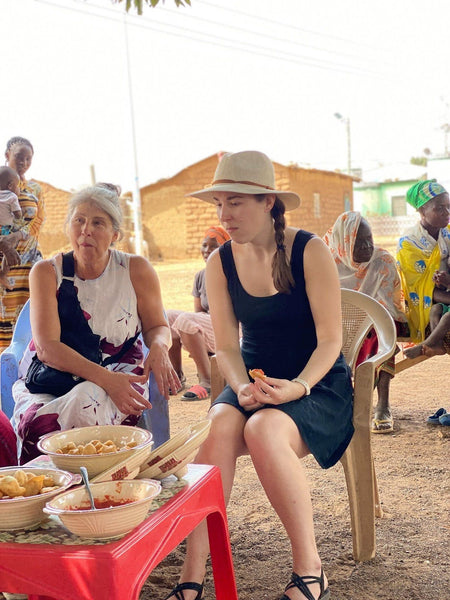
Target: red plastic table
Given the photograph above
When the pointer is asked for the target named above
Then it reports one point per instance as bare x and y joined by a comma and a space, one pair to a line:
50, 563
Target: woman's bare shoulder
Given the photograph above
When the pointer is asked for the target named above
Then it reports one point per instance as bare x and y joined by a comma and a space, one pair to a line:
47, 265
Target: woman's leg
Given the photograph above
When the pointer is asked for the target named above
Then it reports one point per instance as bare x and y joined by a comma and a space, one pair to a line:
197, 336
435, 315
195, 345
175, 356
276, 460
382, 416
433, 344
175, 349
224, 444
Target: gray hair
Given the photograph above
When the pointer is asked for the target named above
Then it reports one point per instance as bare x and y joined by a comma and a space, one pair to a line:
104, 198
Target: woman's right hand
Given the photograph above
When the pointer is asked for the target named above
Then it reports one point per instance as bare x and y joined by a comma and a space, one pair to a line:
246, 398
122, 388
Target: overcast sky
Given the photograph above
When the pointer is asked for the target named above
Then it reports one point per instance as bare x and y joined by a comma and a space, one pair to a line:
222, 75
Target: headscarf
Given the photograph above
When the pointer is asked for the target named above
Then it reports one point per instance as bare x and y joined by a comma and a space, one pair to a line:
424, 191
218, 233
377, 278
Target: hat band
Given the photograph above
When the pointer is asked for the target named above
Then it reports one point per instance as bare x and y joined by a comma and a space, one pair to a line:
218, 181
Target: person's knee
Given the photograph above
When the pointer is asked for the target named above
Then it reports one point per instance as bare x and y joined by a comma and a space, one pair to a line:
259, 429
436, 311
226, 429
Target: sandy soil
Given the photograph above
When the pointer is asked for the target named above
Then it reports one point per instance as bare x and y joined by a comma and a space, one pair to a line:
412, 468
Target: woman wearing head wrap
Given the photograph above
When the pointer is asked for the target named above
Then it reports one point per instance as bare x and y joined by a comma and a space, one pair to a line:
371, 270
422, 257
193, 330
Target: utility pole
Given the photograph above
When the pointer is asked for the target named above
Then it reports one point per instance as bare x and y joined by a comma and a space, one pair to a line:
137, 212
346, 121
92, 169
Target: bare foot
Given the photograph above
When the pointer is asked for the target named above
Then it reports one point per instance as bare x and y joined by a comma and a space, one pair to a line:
414, 351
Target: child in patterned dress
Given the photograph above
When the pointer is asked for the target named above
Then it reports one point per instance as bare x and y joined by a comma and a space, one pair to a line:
9, 211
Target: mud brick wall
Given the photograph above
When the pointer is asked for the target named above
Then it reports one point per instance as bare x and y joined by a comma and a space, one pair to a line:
174, 225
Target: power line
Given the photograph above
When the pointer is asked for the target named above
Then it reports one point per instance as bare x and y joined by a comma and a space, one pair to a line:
267, 35
243, 46
288, 25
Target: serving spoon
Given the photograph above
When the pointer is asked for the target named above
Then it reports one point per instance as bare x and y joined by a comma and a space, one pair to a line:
85, 476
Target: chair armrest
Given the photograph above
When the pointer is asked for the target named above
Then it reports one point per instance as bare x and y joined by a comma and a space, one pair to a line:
9, 366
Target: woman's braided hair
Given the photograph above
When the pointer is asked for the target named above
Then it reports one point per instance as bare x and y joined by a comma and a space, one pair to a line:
19, 140
283, 279
281, 270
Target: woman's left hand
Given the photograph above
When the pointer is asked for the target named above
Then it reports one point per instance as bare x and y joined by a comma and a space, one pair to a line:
275, 391
158, 362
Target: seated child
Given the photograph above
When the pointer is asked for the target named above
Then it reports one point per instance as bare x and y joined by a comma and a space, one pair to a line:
437, 342
9, 211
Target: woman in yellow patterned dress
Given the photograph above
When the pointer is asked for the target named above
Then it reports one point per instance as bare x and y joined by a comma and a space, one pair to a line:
19, 155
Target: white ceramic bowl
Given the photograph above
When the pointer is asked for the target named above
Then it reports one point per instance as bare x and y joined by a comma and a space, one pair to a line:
173, 457
94, 463
105, 523
25, 512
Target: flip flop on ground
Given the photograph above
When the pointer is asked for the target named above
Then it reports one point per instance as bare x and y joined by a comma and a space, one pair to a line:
434, 419
383, 425
444, 419
196, 392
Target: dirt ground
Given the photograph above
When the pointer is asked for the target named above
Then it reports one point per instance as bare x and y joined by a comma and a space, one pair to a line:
412, 559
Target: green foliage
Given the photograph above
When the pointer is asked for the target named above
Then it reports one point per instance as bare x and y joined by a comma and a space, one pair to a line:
138, 4
422, 161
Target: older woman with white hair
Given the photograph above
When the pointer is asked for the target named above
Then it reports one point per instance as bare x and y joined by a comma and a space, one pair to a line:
87, 310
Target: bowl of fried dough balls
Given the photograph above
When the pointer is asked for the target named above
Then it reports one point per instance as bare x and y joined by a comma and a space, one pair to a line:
96, 447
24, 492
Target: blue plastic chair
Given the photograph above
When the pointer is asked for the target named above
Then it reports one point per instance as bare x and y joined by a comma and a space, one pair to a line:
10, 358
155, 419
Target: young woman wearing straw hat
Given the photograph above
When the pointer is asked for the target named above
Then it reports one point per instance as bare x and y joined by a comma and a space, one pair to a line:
282, 285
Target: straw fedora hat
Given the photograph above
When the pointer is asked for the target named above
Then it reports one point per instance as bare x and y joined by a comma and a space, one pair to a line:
248, 172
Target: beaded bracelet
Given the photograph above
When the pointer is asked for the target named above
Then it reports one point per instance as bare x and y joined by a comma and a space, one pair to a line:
304, 383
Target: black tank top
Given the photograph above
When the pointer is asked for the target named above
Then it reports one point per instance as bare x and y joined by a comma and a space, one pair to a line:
279, 334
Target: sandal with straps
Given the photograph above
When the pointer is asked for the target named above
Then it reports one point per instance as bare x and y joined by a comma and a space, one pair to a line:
178, 593
302, 584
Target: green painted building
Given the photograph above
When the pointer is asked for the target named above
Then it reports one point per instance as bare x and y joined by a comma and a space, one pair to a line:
383, 190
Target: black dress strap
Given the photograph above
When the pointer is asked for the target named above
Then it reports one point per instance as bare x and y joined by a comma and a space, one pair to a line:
75, 330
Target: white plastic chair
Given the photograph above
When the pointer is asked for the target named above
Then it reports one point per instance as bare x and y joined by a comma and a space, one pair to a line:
359, 314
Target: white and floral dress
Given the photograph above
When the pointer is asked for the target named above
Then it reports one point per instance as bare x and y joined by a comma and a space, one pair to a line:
110, 306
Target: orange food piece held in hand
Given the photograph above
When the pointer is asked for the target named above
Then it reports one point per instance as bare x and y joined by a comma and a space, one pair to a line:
257, 374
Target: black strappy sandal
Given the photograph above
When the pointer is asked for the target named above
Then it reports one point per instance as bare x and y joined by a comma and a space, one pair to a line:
302, 584
178, 593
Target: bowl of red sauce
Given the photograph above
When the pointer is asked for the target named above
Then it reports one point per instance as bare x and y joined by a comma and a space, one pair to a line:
119, 507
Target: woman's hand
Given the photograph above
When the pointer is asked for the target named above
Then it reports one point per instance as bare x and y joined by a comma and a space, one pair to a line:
158, 362
441, 279
276, 391
246, 398
123, 391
